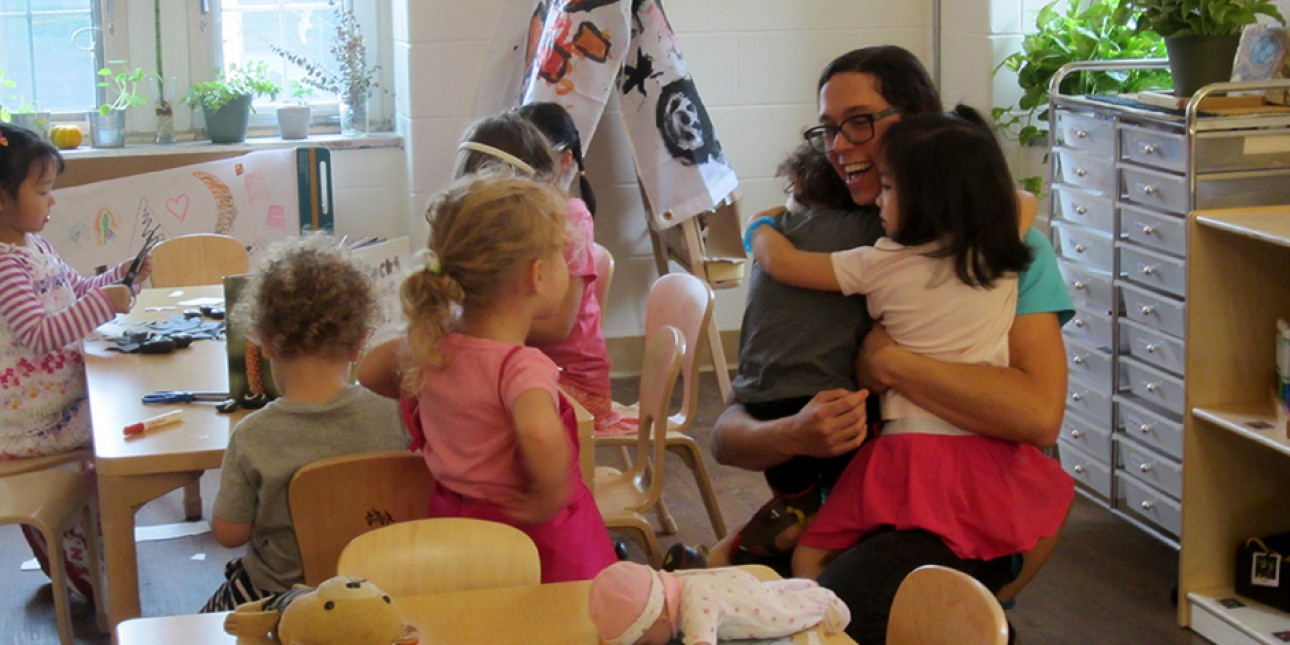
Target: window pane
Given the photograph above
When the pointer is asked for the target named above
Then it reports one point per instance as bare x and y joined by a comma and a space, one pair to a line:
302, 28
37, 52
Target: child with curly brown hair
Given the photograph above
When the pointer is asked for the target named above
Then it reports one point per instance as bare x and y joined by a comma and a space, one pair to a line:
309, 308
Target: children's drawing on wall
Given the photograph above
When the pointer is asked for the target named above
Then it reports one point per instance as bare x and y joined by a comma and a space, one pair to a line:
253, 198
580, 54
385, 263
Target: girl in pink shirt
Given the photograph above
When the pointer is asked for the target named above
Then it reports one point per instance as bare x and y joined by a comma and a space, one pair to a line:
497, 435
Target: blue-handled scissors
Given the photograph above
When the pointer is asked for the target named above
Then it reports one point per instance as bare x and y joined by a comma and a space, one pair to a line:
182, 396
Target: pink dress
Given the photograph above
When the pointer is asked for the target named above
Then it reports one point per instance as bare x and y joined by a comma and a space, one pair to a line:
462, 422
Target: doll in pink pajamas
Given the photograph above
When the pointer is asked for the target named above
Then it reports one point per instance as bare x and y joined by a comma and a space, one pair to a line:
632, 603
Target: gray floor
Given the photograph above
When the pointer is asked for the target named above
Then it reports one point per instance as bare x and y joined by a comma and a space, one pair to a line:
1107, 583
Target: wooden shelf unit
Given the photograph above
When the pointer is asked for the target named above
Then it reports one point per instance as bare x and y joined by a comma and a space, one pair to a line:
1237, 481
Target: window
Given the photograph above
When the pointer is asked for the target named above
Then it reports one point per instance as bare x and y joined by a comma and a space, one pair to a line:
52, 48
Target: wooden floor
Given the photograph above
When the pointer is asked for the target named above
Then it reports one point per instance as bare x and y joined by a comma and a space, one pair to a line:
1108, 582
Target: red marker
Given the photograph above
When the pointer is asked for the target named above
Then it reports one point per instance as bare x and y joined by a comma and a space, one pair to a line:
174, 416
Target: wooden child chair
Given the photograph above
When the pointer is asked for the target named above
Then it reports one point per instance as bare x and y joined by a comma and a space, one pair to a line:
624, 496
442, 554
334, 500
36, 492
604, 277
198, 259
937, 605
685, 302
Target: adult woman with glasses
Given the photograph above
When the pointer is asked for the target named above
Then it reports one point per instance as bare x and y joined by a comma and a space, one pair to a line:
861, 94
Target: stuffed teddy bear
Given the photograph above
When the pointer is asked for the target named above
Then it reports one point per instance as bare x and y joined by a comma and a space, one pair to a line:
341, 611
633, 604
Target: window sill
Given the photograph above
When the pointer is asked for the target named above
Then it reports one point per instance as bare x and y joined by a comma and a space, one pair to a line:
329, 141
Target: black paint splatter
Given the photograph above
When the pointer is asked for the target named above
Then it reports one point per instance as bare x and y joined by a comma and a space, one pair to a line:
634, 76
684, 124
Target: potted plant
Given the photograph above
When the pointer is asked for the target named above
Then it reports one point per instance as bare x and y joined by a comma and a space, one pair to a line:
1097, 30
35, 120
351, 79
293, 118
226, 100
1201, 35
107, 123
9, 83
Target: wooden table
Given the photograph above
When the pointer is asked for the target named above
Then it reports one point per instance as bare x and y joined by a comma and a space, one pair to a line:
132, 472
551, 613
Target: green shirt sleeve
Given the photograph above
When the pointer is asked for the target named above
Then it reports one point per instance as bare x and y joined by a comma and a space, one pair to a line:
1040, 288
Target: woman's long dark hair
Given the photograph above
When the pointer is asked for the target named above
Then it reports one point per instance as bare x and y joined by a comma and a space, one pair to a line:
554, 122
953, 188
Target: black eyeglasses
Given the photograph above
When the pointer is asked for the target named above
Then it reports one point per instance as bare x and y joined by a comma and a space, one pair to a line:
857, 129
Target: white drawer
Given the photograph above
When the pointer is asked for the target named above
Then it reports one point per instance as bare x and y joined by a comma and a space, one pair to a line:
1085, 245
1093, 365
1153, 385
1153, 309
1089, 401
1150, 467
1149, 503
1090, 327
1153, 346
1086, 170
1150, 426
1089, 285
1154, 188
1160, 231
1085, 469
1165, 150
1153, 269
1086, 132
1092, 438
1086, 208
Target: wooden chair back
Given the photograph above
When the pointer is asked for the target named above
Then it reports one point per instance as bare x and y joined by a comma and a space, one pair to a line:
198, 259
684, 302
442, 554
604, 277
333, 500
937, 605
624, 496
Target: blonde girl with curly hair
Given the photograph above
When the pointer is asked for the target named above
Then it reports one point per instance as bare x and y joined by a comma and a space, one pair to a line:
486, 410
309, 308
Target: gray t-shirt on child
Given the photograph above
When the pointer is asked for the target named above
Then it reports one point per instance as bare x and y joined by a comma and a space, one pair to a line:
798, 342
267, 448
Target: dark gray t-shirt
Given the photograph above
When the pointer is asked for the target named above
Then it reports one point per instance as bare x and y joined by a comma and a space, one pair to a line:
798, 342
268, 447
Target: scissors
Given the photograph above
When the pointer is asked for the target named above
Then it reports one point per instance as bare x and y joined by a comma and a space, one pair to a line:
182, 396
137, 265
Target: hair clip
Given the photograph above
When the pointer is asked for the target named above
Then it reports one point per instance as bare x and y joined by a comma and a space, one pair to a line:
4, 143
432, 262
498, 153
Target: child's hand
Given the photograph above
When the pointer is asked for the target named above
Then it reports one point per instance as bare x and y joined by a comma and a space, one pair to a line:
145, 271
534, 506
120, 296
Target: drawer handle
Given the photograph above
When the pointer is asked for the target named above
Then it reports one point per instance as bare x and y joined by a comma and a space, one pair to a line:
1080, 210
1150, 190
1148, 149
1078, 322
1146, 468
1148, 505
1079, 469
1151, 349
1080, 172
1078, 396
1146, 428
1152, 387
1079, 286
1147, 229
1147, 310
1081, 134
1077, 359
1149, 269
1080, 248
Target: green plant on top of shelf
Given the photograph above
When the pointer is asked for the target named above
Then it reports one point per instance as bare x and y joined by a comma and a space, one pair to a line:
300, 93
249, 79
126, 85
352, 80
1200, 17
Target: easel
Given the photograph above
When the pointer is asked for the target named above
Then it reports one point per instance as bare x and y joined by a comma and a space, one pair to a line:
709, 246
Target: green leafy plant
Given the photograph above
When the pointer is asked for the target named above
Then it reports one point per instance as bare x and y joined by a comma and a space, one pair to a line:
126, 85
249, 79
1200, 17
9, 83
351, 78
300, 93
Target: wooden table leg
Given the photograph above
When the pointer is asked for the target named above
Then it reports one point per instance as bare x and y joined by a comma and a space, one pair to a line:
120, 498
193, 501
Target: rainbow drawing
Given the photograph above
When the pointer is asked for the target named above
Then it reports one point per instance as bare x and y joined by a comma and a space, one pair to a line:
105, 227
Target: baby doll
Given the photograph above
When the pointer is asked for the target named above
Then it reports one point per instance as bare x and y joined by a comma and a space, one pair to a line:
634, 604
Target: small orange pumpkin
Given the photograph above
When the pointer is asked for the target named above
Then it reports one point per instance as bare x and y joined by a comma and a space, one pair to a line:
66, 136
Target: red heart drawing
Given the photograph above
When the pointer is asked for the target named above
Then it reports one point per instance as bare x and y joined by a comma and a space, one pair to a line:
178, 206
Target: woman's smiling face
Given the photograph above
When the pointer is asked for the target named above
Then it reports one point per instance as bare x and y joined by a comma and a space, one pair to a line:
845, 95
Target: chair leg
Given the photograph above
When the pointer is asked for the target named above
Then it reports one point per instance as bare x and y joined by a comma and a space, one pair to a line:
643, 534
94, 548
58, 575
665, 519
689, 453
193, 501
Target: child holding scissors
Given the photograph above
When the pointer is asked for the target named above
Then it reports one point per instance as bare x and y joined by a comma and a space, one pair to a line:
46, 308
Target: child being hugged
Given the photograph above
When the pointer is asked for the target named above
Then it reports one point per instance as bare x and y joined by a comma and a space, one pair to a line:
943, 283
309, 308
497, 435
46, 309
573, 338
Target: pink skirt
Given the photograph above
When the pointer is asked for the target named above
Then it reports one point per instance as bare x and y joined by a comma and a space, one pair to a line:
985, 497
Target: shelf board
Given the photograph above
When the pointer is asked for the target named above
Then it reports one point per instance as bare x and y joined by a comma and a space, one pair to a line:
1253, 621
1268, 223
1261, 421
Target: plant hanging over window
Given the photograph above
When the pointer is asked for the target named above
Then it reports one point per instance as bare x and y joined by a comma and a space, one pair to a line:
351, 79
